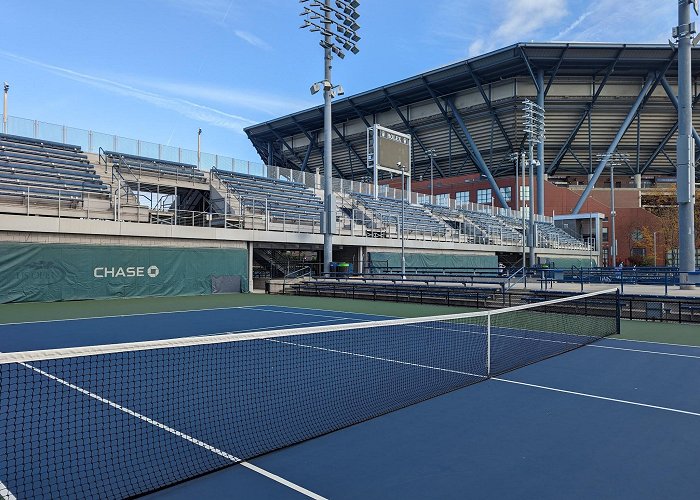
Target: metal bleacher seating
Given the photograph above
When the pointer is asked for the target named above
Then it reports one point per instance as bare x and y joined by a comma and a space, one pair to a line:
46, 170
555, 237
140, 165
282, 200
388, 211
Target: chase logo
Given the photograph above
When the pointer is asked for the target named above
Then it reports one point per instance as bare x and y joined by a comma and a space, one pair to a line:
125, 272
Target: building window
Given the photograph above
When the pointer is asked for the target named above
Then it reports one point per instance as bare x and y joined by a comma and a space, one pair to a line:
605, 256
525, 193
506, 192
462, 198
605, 235
442, 200
639, 252
637, 235
483, 196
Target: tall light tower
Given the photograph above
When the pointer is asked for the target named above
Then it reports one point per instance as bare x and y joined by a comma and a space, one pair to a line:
6, 88
338, 28
613, 159
685, 148
533, 126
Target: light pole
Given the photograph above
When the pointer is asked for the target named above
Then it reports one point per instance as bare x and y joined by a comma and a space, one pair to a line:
199, 148
685, 147
613, 161
654, 248
403, 207
533, 126
522, 166
431, 155
338, 28
4, 108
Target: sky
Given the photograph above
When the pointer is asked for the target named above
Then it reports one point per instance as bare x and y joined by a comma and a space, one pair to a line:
158, 70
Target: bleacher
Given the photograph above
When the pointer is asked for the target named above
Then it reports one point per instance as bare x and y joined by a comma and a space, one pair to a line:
46, 170
554, 237
282, 200
388, 211
463, 225
139, 166
495, 226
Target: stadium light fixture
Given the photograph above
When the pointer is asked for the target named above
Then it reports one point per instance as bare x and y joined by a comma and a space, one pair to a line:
533, 126
337, 25
6, 88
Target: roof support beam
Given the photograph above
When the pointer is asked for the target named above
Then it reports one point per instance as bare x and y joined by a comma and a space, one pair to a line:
348, 145
613, 145
481, 165
284, 142
660, 147
487, 100
307, 155
589, 108
313, 140
529, 67
446, 116
553, 75
411, 129
357, 112
674, 100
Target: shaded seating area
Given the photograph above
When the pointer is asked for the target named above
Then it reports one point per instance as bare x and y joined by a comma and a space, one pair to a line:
554, 237
388, 211
141, 165
281, 200
46, 170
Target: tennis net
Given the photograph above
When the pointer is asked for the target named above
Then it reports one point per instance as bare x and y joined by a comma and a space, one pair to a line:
122, 420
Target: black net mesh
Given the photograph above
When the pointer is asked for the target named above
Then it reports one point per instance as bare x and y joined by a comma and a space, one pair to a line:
94, 423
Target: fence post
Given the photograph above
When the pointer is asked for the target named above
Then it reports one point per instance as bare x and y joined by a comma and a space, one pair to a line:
618, 312
488, 344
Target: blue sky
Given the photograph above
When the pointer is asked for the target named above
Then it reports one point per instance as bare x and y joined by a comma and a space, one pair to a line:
157, 70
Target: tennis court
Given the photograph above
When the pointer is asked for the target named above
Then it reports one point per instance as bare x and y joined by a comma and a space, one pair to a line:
615, 418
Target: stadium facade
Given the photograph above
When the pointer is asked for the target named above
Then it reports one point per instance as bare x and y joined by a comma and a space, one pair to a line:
605, 104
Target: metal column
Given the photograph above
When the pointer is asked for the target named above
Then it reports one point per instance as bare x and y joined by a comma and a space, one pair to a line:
685, 149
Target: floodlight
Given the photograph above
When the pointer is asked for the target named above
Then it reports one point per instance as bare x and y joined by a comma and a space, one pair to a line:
354, 49
340, 90
315, 88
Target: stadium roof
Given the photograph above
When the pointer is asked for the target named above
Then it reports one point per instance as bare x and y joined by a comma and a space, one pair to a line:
560, 60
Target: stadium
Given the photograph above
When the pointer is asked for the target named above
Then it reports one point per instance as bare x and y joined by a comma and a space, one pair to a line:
316, 319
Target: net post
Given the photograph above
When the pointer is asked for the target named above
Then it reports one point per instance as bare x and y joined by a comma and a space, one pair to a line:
618, 311
488, 345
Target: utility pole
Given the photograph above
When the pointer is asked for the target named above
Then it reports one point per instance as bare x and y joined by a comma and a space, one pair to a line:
685, 147
199, 148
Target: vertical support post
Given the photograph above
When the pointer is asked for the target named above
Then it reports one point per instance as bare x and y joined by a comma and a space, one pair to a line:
403, 206
618, 312
327, 146
540, 147
199, 148
488, 345
685, 149
251, 285
531, 224
522, 209
613, 240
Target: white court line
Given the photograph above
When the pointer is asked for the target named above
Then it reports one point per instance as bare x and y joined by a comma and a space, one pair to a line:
6, 493
177, 433
652, 342
377, 358
644, 351
121, 316
306, 314
593, 396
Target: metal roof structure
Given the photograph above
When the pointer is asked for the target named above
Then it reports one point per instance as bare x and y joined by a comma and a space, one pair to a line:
472, 109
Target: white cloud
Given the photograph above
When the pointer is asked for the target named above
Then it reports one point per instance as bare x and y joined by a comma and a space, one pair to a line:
252, 39
525, 18
240, 98
184, 107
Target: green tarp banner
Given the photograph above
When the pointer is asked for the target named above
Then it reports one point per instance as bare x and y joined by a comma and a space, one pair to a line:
379, 260
32, 272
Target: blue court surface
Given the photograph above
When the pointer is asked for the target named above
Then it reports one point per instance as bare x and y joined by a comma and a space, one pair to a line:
614, 419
